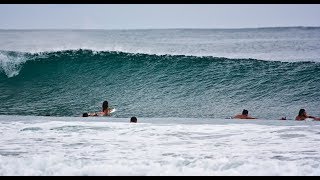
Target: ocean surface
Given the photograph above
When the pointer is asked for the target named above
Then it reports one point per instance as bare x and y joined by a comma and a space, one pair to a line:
183, 85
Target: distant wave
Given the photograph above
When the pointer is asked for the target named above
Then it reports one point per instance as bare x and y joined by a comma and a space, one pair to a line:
287, 44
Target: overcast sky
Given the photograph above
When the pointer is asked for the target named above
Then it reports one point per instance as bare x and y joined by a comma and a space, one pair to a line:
141, 16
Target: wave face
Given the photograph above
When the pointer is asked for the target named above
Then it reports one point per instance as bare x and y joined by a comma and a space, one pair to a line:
68, 83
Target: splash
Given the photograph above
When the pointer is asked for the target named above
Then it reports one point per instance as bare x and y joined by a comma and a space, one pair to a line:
11, 62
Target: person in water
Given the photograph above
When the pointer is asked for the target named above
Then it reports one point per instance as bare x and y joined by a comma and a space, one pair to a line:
133, 120
106, 111
303, 116
244, 115
85, 115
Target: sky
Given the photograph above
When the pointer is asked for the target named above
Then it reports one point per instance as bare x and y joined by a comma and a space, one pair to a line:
156, 16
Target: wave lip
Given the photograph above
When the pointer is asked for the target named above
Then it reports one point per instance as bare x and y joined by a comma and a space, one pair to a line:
11, 62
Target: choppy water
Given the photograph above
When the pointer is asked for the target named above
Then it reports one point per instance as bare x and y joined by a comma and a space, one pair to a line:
157, 146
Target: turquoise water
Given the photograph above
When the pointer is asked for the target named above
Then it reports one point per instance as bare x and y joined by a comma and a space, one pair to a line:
68, 83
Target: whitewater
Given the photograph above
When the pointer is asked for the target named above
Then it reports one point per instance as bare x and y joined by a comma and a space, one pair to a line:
183, 85
113, 146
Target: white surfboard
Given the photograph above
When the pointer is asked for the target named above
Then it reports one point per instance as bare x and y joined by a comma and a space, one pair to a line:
113, 110
309, 119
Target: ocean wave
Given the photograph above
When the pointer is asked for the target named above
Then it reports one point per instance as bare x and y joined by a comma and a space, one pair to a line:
11, 62
76, 81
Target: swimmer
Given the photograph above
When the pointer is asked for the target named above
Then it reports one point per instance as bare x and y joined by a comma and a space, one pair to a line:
244, 115
303, 116
133, 120
106, 111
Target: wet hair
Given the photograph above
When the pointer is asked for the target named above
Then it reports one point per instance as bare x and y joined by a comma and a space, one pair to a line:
301, 112
85, 115
105, 105
245, 112
133, 120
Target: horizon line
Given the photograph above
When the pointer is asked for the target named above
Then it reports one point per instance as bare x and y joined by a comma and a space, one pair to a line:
186, 28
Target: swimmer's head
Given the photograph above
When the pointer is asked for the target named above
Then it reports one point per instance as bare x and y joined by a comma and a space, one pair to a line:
245, 112
302, 112
133, 120
105, 105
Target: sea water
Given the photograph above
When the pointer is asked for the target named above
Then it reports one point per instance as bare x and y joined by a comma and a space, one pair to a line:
183, 85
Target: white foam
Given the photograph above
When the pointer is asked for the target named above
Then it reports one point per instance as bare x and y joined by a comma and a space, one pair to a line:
11, 64
87, 146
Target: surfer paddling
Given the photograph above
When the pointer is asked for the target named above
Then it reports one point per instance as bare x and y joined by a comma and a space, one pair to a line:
303, 116
244, 115
106, 111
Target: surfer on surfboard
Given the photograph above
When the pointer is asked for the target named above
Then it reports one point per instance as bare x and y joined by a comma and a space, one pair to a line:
106, 111
303, 116
244, 115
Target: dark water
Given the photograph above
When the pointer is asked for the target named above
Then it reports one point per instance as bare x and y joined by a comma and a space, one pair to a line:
68, 83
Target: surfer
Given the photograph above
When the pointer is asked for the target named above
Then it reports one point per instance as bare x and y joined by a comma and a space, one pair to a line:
244, 115
106, 111
303, 116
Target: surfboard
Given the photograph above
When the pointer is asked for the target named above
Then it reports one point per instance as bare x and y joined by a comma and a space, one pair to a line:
113, 110
309, 119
